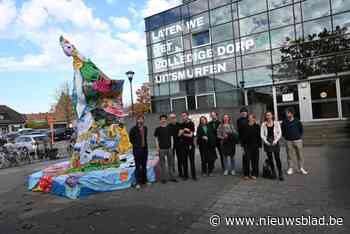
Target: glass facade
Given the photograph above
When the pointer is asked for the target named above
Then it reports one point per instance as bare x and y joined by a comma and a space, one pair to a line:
208, 53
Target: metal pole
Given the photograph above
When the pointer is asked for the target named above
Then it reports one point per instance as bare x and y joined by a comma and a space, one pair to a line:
132, 98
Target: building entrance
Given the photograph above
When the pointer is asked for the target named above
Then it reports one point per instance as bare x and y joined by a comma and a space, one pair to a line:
312, 100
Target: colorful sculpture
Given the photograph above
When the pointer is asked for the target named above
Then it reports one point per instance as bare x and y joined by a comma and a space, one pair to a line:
102, 159
98, 103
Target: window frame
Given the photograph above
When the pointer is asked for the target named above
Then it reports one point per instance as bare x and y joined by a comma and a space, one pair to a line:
205, 94
199, 46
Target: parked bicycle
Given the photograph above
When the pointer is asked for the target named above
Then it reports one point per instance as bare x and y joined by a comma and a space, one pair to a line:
8, 157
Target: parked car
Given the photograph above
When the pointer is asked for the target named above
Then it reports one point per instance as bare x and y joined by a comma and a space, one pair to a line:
62, 133
32, 143
41, 131
25, 131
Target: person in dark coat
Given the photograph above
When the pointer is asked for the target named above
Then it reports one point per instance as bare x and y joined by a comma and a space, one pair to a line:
252, 143
174, 127
186, 134
206, 140
138, 139
214, 125
242, 122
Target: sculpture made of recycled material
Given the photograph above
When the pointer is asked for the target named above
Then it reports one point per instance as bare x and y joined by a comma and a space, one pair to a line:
97, 100
102, 159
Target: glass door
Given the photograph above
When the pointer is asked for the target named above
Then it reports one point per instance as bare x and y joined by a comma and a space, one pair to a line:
324, 99
287, 96
179, 104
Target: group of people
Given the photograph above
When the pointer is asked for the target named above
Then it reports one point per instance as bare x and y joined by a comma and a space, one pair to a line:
215, 139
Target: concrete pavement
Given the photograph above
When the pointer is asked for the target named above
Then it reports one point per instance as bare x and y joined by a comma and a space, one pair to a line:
184, 207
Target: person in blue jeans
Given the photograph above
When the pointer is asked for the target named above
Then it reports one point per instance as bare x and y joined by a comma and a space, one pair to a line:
229, 137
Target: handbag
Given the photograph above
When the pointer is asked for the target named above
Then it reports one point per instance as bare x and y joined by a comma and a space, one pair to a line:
271, 148
267, 171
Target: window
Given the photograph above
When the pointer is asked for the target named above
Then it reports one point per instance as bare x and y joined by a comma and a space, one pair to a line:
191, 102
198, 23
281, 17
154, 22
225, 82
278, 3
261, 42
201, 55
175, 61
257, 76
161, 106
200, 38
160, 64
315, 8
276, 56
172, 16
229, 99
222, 33
340, 5
228, 63
324, 99
179, 104
2, 117
217, 3
261, 95
158, 50
205, 101
279, 36
258, 59
342, 21
317, 26
204, 84
250, 7
254, 24
157, 35
220, 15
161, 89
198, 6
225, 50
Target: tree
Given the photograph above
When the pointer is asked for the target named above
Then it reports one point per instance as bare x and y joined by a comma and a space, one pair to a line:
143, 104
322, 53
63, 109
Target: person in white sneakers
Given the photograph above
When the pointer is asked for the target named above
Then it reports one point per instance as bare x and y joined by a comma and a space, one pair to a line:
292, 130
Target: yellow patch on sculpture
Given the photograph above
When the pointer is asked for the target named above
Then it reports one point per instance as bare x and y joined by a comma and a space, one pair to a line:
124, 144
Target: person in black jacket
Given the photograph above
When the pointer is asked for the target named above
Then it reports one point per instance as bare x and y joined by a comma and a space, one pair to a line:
251, 143
206, 140
242, 123
214, 124
138, 139
174, 127
186, 134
